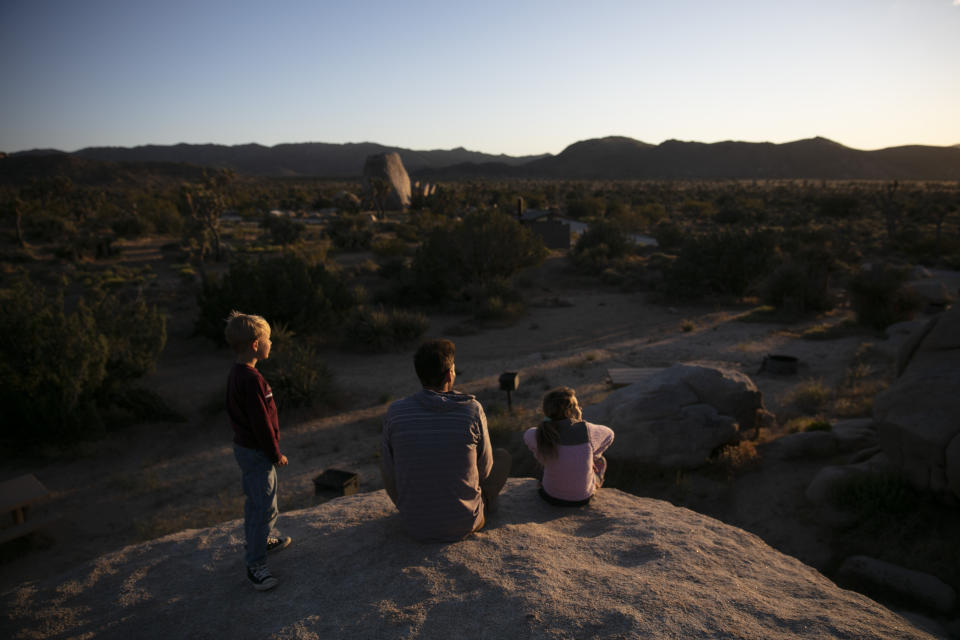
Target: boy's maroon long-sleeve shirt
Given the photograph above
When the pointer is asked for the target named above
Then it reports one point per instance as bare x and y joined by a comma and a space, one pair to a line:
252, 411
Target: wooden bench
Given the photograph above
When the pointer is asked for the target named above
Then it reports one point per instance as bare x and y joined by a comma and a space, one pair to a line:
16, 497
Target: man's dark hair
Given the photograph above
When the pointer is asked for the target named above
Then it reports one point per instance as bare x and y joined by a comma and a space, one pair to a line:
432, 361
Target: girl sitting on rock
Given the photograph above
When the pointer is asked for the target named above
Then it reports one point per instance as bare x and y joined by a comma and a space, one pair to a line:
569, 449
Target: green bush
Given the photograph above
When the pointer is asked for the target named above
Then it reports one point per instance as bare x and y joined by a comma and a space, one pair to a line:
879, 298
496, 301
376, 329
389, 247
136, 334
297, 374
350, 231
724, 263
818, 424
478, 250
798, 286
283, 230
52, 362
291, 289
63, 370
602, 243
873, 493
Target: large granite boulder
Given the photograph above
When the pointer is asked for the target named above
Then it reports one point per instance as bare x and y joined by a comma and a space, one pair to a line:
622, 567
385, 181
918, 416
676, 417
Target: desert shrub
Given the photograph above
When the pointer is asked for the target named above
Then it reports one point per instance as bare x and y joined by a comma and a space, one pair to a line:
419, 225
283, 230
872, 493
53, 362
496, 300
377, 329
798, 286
879, 298
136, 334
481, 248
350, 231
839, 205
298, 375
389, 247
818, 424
127, 224
725, 263
810, 396
160, 213
669, 235
292, 289
602, 243
62, 369
47, 226
735, 459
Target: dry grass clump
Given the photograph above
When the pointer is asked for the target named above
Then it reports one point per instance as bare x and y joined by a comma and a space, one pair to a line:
810, 397
868, 375
736, 459
832, 330
503, 425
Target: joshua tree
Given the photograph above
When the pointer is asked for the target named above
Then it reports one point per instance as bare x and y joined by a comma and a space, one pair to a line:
201, 206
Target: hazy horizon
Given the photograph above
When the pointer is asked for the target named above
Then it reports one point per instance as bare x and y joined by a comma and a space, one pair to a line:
502, 78
424, 149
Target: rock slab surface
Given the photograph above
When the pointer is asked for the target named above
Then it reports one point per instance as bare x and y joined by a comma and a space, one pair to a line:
918, 417
622, 567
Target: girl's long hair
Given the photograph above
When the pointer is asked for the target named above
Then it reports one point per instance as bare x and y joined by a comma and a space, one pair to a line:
558, 404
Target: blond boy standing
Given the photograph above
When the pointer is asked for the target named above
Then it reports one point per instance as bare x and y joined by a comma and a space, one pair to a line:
256, 442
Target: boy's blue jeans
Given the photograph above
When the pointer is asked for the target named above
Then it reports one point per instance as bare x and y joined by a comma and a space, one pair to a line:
260, 509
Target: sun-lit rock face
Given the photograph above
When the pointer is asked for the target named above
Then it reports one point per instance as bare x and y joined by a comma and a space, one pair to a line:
677, 416
388, 170
621, 567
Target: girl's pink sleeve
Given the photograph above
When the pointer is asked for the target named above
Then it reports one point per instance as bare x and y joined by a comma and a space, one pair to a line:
601, 437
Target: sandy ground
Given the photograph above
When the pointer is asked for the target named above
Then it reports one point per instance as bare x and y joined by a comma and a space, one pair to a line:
155, 479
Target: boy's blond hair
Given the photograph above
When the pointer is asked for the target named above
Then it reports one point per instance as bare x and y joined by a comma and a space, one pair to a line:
242, 329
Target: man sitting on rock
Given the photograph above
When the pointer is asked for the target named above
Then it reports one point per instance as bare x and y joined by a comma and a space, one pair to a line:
439, 466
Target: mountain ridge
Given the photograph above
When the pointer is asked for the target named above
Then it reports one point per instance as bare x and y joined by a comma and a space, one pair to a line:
611, 157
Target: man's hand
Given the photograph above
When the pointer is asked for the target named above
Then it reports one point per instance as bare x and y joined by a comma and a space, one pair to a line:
282, 462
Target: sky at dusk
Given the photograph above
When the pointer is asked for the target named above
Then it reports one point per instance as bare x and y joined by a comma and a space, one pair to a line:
516, 77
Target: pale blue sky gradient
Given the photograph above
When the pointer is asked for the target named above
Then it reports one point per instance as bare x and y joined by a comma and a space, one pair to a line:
508, 77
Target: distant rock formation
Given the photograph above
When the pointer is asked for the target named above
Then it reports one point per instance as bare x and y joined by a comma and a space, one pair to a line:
622, 567
346, 201
677, 416
918, 416
385, 182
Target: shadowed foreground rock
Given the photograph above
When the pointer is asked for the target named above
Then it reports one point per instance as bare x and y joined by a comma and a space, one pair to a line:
623, 567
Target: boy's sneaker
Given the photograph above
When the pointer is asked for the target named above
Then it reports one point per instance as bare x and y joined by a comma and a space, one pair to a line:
261, 578
278, 543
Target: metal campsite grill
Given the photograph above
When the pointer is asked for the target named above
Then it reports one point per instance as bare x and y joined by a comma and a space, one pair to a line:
333, 483
780, 364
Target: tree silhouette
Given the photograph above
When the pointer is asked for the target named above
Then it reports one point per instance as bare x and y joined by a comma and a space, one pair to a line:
201, 206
